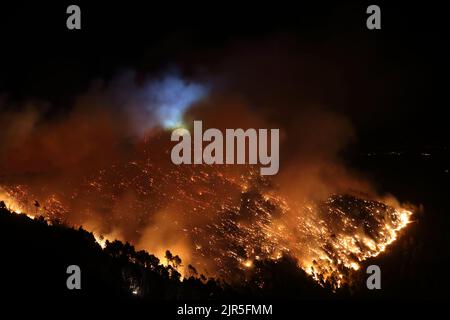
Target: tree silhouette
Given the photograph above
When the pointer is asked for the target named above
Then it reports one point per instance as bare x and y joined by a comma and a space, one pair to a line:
168, 256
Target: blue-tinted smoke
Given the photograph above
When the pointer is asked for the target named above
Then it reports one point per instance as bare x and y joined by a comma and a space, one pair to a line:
171, 96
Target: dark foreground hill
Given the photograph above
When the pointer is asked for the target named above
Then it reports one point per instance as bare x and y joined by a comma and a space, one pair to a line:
35, 255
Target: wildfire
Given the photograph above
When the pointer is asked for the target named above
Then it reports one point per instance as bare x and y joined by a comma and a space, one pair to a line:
101, 240
219, 221
11, 203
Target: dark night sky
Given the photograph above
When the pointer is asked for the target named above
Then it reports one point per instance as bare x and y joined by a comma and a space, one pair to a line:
394, 81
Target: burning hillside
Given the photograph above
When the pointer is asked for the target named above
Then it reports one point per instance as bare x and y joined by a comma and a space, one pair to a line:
216, 218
